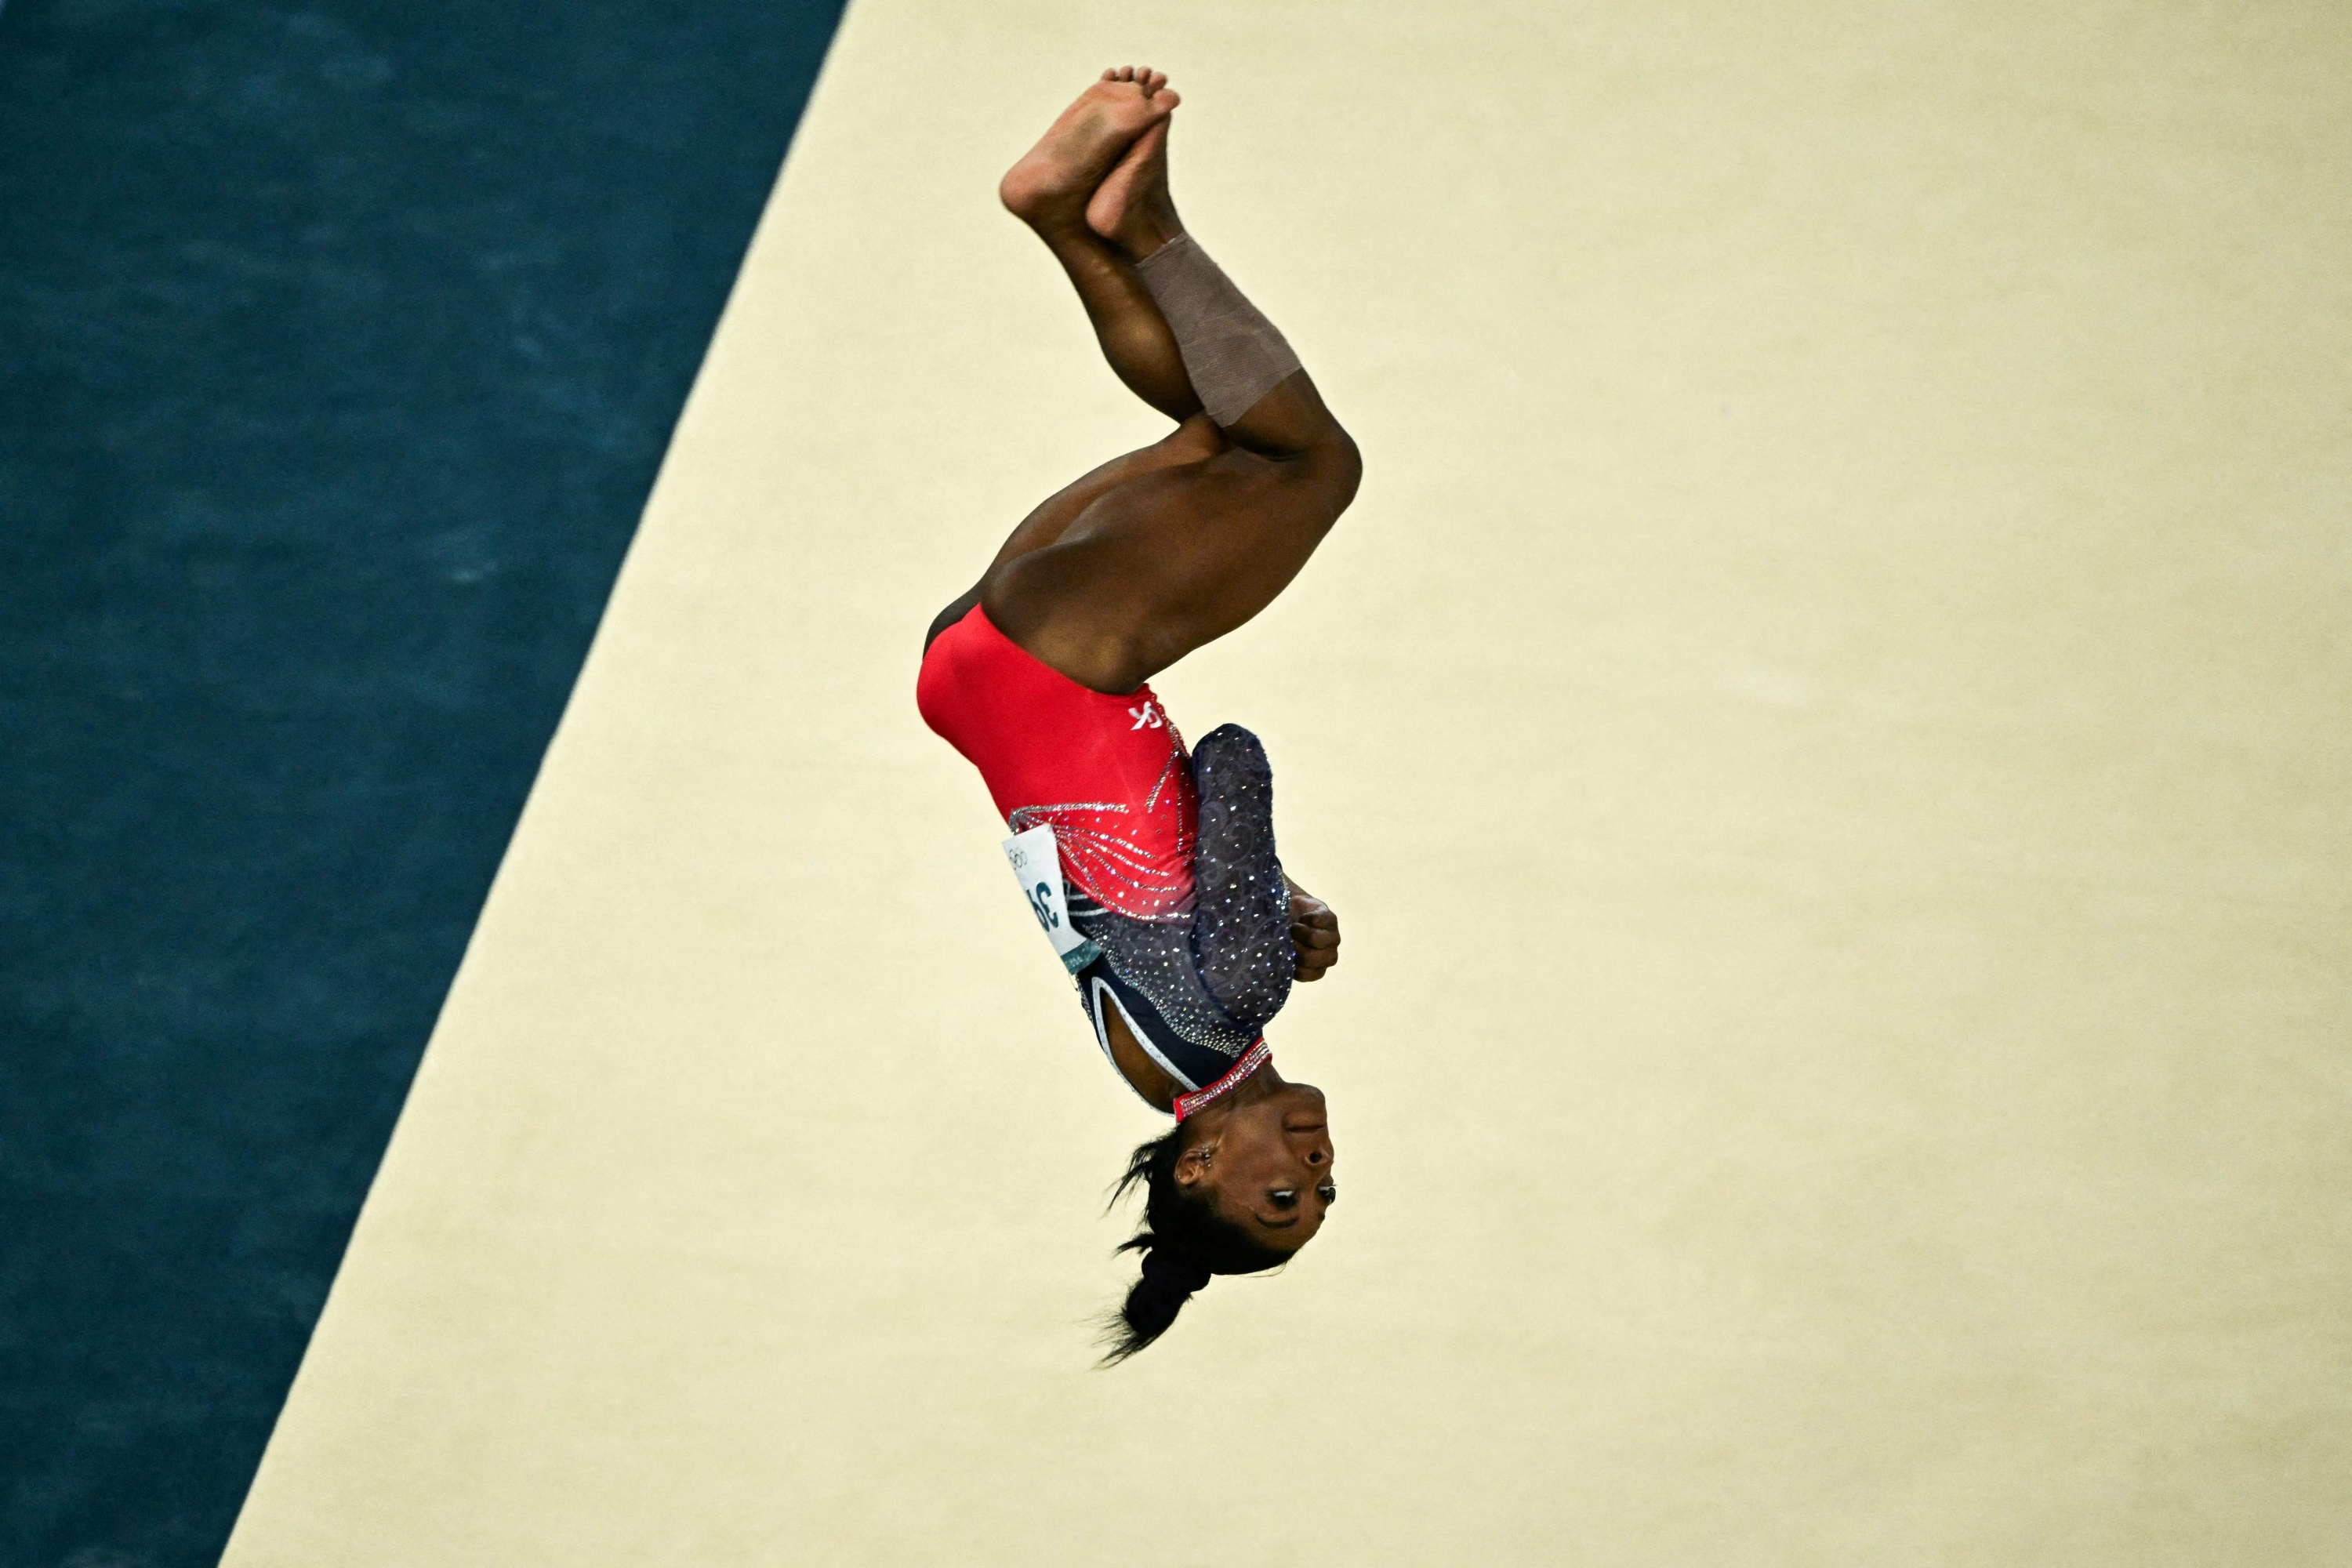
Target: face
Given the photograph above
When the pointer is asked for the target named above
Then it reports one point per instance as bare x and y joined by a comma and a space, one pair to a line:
1268, 1166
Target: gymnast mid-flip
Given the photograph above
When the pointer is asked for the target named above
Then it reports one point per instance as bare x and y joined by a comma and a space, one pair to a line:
1154, 873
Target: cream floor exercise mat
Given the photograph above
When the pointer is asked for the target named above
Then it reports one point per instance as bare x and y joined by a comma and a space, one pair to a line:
1826, 731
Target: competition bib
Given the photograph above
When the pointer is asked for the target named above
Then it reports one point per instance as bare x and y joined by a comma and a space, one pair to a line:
1037, 866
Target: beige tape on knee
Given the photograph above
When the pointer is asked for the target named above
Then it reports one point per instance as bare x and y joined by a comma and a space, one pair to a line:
1233, 354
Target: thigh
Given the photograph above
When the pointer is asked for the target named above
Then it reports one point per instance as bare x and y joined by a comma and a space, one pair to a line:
1194, 441
1169, 558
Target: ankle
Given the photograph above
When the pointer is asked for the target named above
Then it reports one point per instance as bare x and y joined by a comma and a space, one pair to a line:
1146, 233
1037, 204
1057, 229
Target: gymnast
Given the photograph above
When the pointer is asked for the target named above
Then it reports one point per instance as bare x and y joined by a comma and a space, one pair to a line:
1154, 873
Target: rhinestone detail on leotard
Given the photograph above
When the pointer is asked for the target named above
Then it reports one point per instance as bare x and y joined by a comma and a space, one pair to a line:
1255, 1057
1101, 852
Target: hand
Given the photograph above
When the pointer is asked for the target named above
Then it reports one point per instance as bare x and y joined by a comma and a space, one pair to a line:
1313, 933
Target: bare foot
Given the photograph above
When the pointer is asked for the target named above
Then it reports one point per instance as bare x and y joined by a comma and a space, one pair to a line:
1050, 184
1131, 207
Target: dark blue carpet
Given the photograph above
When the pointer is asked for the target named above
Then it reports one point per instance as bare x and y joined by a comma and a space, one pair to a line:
337, 347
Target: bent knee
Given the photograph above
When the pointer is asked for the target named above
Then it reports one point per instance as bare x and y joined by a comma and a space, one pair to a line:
1338, 464
1347, 455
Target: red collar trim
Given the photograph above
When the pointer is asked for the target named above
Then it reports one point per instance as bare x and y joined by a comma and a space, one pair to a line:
1256, 1056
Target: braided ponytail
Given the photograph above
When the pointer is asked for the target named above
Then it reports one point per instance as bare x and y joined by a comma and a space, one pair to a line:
1183, 1241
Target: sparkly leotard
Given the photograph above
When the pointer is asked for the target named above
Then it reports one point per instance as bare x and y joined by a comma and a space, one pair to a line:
1167, 861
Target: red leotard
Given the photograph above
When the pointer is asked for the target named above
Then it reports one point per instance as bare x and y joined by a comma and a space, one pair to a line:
1109, 773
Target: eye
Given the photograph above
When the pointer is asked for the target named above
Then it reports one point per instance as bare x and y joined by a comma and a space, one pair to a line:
1328, 1193
1284, 1197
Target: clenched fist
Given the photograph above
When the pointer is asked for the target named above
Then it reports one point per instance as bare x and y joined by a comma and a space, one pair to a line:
1314, 934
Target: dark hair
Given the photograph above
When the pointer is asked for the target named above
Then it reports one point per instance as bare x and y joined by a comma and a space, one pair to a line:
1183, 1241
